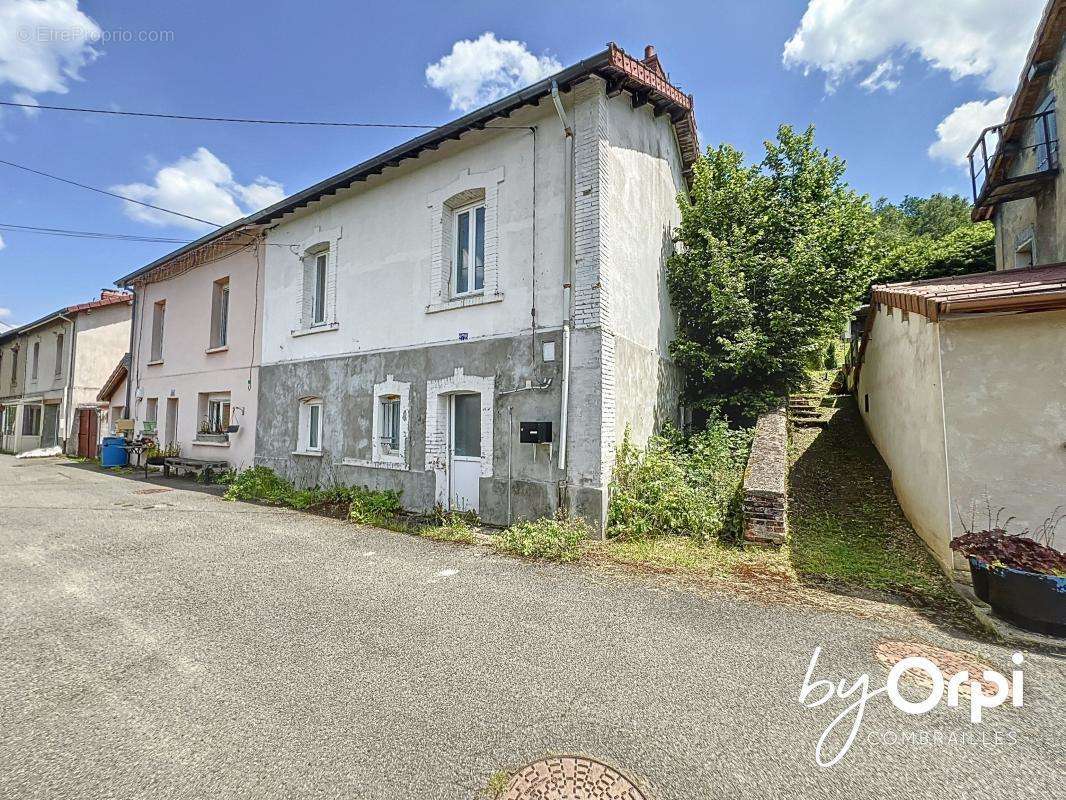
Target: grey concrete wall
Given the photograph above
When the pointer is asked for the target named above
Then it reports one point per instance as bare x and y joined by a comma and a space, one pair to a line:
347, 383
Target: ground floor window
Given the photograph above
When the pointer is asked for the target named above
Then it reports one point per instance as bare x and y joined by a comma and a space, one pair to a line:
310, 434
9, 421
391, 398
218, 415
31, 420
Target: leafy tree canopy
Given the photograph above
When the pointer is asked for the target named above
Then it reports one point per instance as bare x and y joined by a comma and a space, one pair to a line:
773, 258
936, 215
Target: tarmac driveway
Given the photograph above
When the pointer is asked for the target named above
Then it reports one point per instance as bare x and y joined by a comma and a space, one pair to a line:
171, 644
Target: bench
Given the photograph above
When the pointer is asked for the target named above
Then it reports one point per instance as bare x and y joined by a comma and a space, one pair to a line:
197, 465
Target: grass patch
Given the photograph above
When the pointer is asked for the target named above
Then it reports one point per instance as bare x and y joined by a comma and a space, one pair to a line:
556, 539
710, 559
456, 528
497, 784
847, 529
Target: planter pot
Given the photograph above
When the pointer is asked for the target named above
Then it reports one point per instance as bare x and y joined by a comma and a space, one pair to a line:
979, 576
1028, 599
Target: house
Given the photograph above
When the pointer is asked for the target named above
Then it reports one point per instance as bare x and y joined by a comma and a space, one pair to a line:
194, 357
112, 397
476, 316
54, 369
961, 381
1015, 166
12, 384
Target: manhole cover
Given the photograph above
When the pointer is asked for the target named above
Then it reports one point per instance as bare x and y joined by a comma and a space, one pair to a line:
154, 490
948, 661
570, 778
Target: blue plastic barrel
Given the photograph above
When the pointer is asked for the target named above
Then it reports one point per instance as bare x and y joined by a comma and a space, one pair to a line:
113, 452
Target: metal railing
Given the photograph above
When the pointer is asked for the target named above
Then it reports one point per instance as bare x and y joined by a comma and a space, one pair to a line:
1039, 136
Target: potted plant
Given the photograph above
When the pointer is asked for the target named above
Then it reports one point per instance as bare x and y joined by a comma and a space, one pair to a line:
1022, 576
155, 455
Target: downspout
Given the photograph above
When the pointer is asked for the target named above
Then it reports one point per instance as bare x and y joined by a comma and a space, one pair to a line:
133, 359
68, 424
568, 243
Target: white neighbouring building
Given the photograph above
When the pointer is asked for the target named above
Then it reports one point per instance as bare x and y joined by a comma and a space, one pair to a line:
194, 356
431, 313
51, 371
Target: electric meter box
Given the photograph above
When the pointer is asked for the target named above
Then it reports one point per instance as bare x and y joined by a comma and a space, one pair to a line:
534, 432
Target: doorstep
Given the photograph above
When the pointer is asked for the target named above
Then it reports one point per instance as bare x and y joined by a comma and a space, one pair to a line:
1008, 633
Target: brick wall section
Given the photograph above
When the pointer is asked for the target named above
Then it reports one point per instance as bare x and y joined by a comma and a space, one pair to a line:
765, 481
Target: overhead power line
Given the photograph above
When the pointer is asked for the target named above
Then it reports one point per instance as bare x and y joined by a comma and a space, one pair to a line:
241, 120
109, 194
11, 227
126, 237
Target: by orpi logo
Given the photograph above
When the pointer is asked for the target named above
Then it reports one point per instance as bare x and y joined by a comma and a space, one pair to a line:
817, 692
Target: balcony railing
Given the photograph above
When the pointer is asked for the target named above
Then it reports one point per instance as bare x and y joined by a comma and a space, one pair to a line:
1015, 159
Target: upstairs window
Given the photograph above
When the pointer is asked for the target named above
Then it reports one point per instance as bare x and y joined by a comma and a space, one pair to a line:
59, 354
220, 313
318, 298
159, 311
36, 360
469, 258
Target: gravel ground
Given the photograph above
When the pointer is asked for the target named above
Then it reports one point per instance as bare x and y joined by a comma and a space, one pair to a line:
176, 645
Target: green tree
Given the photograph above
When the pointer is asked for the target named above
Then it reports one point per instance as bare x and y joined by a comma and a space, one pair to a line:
772, 260
968, 248
936, 216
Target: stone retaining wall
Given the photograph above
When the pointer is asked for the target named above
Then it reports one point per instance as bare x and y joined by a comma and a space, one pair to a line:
765, 481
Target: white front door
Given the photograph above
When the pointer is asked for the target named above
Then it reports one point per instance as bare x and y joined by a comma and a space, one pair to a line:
465, 467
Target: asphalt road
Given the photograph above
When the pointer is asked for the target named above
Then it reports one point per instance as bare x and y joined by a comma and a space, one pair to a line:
176, 645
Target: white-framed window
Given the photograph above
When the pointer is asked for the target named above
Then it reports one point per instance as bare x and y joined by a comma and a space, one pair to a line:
36, 362
59, 354
218, 414
310, 432
151, 417
31, 420
159, 312
468, 258
391, 414
318, 288
9, 421
220, 313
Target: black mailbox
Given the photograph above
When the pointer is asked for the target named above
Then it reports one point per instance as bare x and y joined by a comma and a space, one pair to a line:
534, 432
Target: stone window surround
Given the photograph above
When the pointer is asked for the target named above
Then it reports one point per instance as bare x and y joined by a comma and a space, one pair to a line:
468, 187
321, 240
402, 390
303, 428
438, 423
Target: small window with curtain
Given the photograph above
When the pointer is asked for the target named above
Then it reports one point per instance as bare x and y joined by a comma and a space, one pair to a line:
59, 354
469, 256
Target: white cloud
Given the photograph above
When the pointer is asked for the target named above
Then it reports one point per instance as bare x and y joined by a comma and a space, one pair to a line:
5, 313
28, 99
44, 44
884, 76
199, 185
983, 38
481, 70
958, 131
3, 244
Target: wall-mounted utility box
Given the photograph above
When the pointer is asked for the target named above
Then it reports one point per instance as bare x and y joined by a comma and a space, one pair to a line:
534, 432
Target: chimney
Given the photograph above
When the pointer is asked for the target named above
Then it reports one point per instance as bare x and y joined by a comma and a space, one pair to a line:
651, 61
649, 52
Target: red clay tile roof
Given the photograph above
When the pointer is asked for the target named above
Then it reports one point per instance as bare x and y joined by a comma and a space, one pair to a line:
1024, 289
107, 298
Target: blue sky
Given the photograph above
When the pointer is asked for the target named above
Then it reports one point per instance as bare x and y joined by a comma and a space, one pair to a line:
876, 77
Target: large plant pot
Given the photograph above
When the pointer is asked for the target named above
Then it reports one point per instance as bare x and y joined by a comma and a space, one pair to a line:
1028, 599
979, 576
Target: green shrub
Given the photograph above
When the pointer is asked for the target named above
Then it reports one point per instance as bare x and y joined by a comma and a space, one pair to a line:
259, 483
373, 506
687, 487
556, 539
